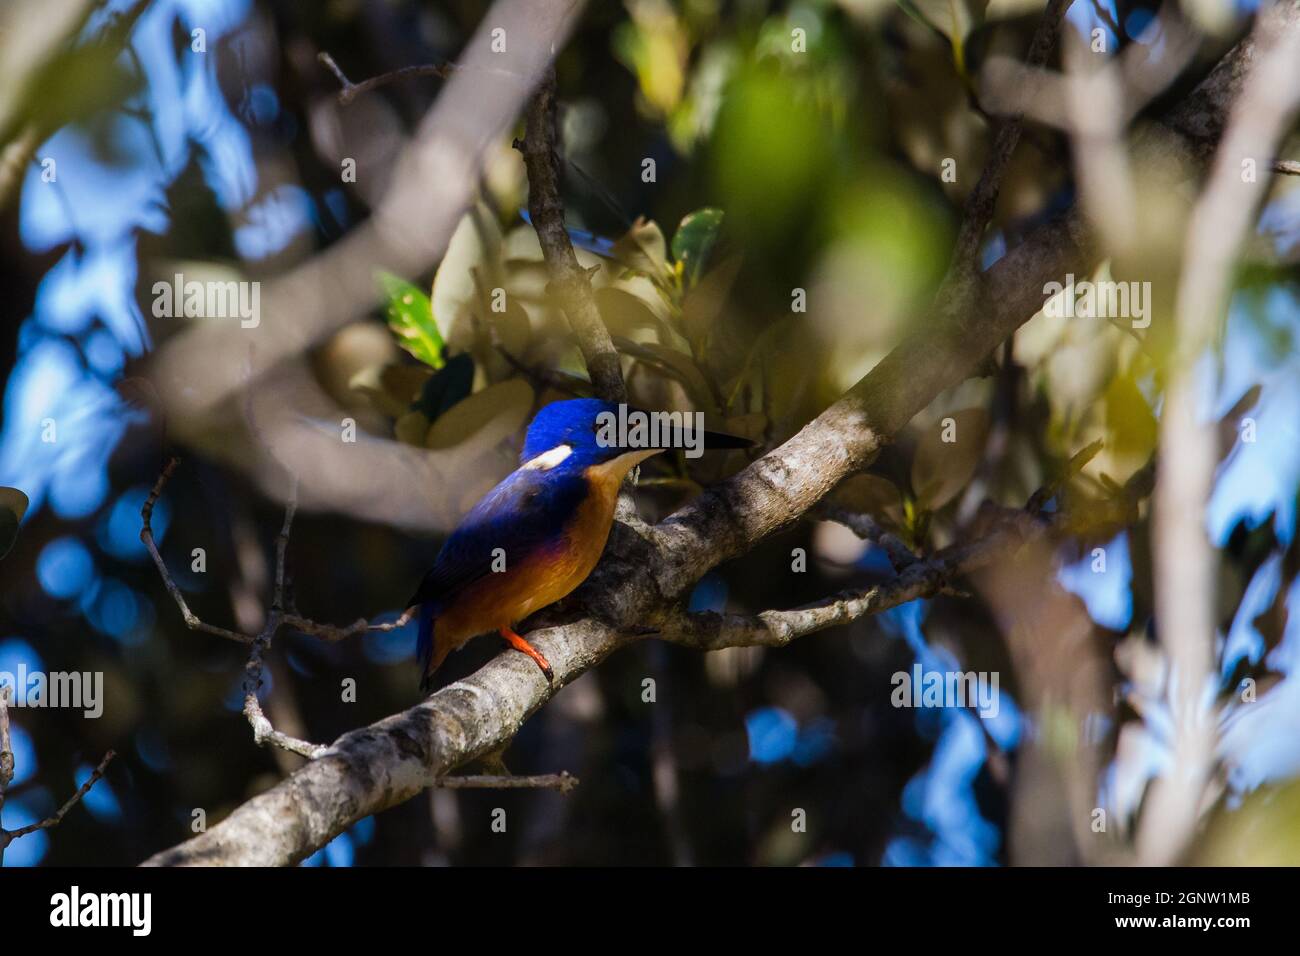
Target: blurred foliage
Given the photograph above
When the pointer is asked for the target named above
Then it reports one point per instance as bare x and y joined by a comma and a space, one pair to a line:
797, 226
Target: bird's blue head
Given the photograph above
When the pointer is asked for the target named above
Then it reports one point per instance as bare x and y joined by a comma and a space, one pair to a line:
569, 424
583, 432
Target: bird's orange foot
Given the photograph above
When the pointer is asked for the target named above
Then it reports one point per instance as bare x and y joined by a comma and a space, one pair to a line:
519, 644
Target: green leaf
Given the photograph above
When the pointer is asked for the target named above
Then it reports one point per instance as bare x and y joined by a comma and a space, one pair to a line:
410, 316
696, 235
13, 505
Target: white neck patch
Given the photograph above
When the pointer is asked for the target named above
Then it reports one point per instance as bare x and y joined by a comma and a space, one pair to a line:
547, 459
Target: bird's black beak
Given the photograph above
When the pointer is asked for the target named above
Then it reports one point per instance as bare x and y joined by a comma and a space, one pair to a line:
661, 431
720, 440
703, 438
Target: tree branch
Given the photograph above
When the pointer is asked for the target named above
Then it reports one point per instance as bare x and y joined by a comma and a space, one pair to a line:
563, 781
7, 776
1186, 562
710, 631
263, 732
569, 281
350, 91
978, 211
191, 619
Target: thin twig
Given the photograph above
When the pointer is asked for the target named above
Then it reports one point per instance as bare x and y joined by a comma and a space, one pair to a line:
983, 198
570, 282
563, 781
191, 619
6, 762
72, 801
917, 579
868, 529
327, 632
263, 732
350, 91
276, 618
1287, 167
7, 775
333, 633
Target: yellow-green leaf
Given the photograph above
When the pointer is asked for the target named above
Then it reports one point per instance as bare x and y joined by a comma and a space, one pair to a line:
410, 316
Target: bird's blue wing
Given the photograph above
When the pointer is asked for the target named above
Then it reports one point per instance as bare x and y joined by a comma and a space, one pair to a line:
528, 509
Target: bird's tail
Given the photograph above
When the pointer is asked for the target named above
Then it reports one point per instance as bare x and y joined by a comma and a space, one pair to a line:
424, 646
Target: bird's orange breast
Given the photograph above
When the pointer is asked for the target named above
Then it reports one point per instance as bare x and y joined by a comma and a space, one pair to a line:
502, 599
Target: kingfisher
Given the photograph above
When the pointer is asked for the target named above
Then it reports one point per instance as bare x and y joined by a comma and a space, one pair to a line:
536, 536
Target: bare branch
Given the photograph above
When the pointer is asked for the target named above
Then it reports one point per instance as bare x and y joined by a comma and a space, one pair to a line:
191, 619
563, 781
263, 732
7, 776
53, 821
709, 631
1186, 563
983, 198
350, 91
570, 282
6, 761
868, 529
333, 633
